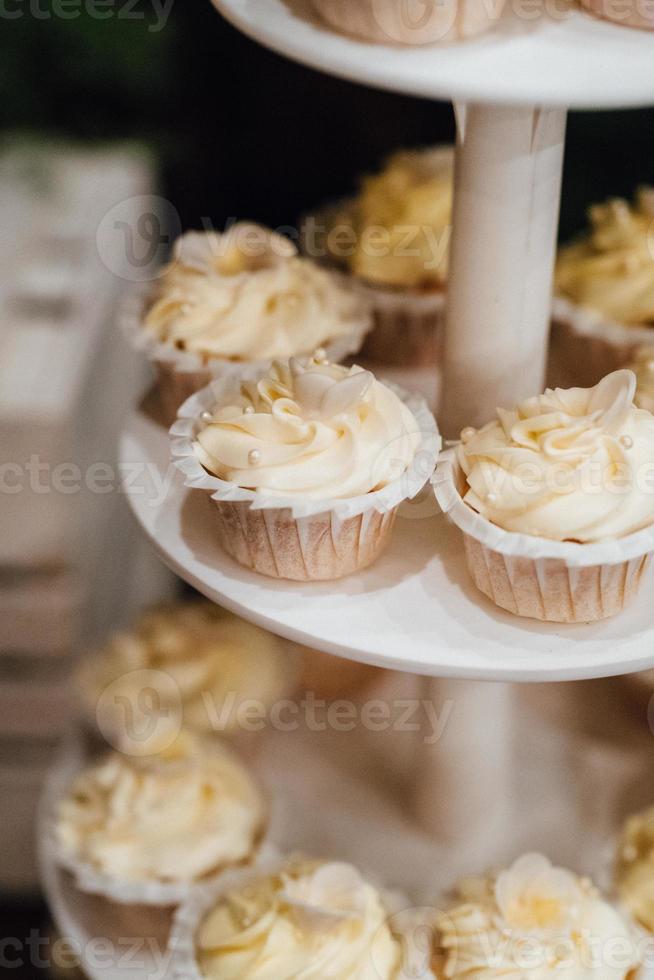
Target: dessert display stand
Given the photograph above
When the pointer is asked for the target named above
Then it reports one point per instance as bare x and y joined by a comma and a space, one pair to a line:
478, 791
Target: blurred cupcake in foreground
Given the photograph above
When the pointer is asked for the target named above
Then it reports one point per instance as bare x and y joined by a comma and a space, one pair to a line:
604, 308
307, 466
558, 524
228, 304
635, 867
305, 918
146, 830
534, 920
200, 661
411, 21
393, 240
643, 367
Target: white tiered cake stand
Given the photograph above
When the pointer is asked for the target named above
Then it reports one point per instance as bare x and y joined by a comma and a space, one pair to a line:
416, 610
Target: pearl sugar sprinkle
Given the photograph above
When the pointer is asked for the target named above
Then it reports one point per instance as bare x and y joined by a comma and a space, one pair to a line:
626, 441
254, 457
249, 410
206, 416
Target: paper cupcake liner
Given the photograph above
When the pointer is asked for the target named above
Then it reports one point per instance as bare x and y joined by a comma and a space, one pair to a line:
152, 892
388, 22
179, 374
189, 916
408, 324
552, 581
614, 10
304, 540
589, 347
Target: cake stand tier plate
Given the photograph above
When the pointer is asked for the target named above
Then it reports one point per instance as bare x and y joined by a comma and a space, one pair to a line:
561, 57
414, 610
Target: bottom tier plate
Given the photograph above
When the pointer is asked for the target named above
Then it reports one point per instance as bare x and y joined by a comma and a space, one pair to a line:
414, 610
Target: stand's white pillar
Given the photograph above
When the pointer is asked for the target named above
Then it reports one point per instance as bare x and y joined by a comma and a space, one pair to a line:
463, 781
506, 208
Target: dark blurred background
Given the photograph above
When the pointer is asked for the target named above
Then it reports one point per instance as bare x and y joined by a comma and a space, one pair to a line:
240, 132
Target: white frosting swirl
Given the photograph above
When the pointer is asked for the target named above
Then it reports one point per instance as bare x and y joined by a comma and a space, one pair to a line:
247, 296
643, 367
215, 660
318, 431
611, 269
571, 464
635, 867
536, 921
177, 816
314, 921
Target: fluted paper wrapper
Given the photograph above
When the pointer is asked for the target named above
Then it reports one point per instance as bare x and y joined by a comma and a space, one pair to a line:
630, 15
390, 22
589, 346
179, 374
292, 538
408, 324
153, 893
553, 581
190, 915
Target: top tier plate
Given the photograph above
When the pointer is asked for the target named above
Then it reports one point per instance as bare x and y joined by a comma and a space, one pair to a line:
575, 61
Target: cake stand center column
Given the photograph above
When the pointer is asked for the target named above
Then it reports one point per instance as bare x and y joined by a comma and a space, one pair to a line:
506, 210
507, 196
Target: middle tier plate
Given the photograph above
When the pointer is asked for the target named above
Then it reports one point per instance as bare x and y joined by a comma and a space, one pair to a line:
414, 610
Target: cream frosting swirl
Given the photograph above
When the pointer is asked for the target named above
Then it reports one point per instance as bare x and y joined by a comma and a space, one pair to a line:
313, 920
572, 464
214, 659
535, 920
248, 296
179, 815
643, 367
635, 867
402, 219
316, 430
611, 269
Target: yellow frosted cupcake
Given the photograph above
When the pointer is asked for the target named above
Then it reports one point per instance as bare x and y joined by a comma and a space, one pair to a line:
604, 308
537, 921
228, 304
146, 829
200, 661
304, 918
635, 867
393, 239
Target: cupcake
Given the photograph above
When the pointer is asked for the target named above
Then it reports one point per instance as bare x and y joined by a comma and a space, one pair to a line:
200, 661
635, 867
393, 240
300, 918
556, 516
410, 21
145, 830
307, 466
629, 15
228, 304
604, 307
534, 920
643, 367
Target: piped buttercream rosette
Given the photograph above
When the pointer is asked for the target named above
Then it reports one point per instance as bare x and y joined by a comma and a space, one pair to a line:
307, 466
295, 917
554, 502
228, 304
149, 830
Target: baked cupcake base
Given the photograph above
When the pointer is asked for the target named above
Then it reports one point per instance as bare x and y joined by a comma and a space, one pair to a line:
294, 539
614, 10
413, 23
551, 581
590, 347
